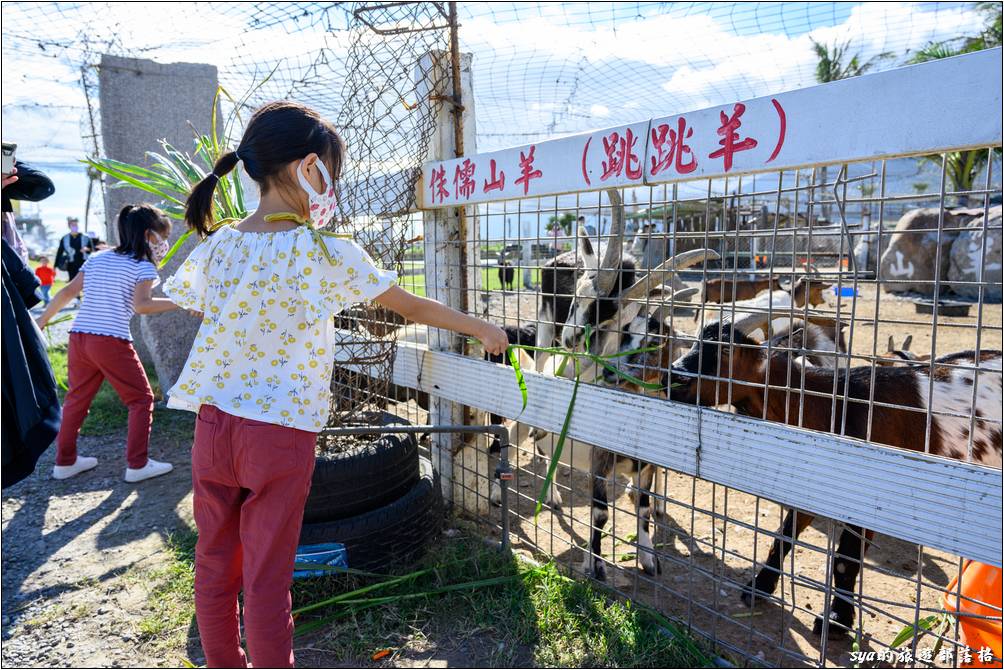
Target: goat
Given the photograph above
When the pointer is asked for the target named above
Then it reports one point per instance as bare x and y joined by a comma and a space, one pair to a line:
820, 341
628, 329
901, 356
729, 290
507, 274
608, 270
899, 394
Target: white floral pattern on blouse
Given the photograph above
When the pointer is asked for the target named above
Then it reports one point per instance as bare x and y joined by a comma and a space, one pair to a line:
264, 349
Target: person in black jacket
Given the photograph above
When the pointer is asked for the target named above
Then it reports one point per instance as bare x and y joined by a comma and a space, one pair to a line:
24, 183
74, 249
30, 404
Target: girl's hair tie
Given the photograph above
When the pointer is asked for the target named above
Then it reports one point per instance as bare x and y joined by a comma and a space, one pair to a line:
215, 176
237, 156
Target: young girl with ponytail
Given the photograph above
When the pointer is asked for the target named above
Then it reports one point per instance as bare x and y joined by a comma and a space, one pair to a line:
260, 371
117, 283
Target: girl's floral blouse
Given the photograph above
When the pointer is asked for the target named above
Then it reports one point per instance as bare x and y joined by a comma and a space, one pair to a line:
264, 349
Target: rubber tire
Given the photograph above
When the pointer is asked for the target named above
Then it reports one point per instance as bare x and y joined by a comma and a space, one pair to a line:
395, 534
361, 479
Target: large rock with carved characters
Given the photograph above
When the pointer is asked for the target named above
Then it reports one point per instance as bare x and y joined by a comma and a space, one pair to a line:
970, 252
912, 262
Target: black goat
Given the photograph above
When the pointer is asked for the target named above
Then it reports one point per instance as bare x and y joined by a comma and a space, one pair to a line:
507, 274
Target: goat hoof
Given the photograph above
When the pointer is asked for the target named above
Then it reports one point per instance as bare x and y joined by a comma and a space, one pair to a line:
593, 567
836, 625
752, 589
652, 567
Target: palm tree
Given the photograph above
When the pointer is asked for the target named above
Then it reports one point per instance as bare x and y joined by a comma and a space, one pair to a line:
832, 66
963, 167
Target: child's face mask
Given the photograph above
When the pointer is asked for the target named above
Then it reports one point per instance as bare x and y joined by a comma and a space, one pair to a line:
158, 248
322, 205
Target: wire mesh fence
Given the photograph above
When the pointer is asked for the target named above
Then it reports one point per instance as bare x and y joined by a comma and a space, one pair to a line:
795, 324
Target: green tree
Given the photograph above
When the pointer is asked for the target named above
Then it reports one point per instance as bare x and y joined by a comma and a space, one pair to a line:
565, 222
964, 167
833, 65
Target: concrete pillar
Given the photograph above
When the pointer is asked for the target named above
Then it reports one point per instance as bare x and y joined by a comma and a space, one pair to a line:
141, 102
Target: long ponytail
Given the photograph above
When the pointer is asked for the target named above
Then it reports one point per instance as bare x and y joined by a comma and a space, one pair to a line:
199, 206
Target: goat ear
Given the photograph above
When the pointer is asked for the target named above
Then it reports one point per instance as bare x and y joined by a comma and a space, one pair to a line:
891, 346
907, 342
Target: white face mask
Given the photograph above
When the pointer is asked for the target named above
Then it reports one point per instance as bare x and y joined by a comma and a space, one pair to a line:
159, 249
322, 205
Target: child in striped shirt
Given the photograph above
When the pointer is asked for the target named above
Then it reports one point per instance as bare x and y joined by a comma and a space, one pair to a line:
117, 283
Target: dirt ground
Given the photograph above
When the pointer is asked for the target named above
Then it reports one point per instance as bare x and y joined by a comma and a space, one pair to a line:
75, 553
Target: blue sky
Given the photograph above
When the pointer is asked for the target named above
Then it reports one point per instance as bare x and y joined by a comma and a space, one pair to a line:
540, 69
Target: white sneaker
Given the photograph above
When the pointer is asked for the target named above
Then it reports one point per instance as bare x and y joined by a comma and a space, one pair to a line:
151, 469
83, 464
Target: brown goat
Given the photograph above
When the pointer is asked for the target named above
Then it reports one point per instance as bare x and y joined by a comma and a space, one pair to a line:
901, 394
729, 290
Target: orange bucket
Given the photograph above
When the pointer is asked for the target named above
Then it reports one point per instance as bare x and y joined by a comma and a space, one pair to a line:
980, 582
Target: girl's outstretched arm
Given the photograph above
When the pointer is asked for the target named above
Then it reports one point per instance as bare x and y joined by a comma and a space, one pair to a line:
61, 300
438, 315
144, 302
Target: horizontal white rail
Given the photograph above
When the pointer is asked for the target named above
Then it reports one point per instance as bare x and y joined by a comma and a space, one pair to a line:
939, 503
943, 105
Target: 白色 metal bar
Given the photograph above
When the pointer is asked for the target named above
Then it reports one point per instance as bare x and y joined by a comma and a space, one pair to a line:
503, 471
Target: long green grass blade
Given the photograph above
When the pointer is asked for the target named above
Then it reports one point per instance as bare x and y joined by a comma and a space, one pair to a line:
553, 466
143, 186
518, 371
139, 172
648, 386
338, 569
167, 164
174, 248
184, 163
361, 591
909, 631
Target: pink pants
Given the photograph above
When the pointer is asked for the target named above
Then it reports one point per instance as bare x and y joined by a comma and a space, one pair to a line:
250, 482
90, 360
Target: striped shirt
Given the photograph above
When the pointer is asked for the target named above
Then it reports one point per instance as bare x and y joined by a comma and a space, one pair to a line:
110, 282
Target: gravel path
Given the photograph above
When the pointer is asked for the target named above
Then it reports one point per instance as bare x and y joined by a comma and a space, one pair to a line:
75, 553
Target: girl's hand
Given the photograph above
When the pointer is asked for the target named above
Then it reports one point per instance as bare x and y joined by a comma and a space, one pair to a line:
493, 338
42, 322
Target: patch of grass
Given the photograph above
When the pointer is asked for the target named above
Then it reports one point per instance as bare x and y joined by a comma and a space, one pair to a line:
489, 281
67, 613
171, 597
541, 616
535, 615
109, 415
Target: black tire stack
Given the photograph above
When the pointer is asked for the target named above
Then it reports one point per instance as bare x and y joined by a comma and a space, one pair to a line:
379, 499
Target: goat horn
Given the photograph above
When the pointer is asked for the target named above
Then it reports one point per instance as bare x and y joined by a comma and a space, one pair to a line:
663, 272
609, 267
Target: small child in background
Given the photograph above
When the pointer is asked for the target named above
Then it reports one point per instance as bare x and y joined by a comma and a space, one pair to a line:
46, 275
117, 283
